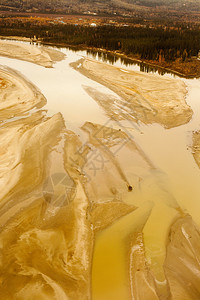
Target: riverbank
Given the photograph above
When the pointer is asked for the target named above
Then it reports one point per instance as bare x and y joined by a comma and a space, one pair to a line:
189, 69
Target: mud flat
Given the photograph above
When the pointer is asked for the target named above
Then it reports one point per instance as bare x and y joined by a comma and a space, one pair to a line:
37, 226
18, 96
150, 216
16, 38
143, 97
77, 217
47, 233
39, 55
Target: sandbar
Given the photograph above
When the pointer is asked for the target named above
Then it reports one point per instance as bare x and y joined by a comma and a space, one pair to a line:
143, 97
40, 55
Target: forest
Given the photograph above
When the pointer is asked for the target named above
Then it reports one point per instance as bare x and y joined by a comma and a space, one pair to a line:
161, 44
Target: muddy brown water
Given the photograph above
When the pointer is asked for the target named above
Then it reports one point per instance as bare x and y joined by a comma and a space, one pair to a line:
175, 180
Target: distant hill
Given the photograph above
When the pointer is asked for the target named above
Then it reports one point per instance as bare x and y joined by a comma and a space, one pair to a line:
98, 5
171, 4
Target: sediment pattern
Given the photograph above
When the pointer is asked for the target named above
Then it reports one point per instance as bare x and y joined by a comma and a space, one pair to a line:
147, 98
76, 215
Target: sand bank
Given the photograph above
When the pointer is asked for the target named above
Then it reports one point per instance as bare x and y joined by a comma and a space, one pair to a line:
101, 171
71, 209
42, 56
143, 249
40, 237
143, 97
16, 38
17, 95
47, 234
181, 264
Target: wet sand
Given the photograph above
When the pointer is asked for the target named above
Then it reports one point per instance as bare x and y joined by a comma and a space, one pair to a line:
42, 56
50, 249
79, 218
52, 242
143, 97
145, 250
45, 237
17, 95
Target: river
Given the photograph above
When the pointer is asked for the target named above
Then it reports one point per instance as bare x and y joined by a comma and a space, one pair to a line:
175, 179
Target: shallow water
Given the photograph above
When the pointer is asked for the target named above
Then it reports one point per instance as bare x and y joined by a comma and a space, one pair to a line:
175, 181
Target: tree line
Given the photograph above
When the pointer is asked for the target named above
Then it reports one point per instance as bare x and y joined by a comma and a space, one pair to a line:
161, 44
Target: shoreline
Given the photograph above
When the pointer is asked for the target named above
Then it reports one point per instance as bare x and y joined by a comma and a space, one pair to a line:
136, 60
122, 55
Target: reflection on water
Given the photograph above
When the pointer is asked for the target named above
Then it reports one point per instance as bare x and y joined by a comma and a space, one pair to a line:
120, 61
126, 62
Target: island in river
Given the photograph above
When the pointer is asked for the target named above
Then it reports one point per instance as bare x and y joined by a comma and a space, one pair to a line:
87, 237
